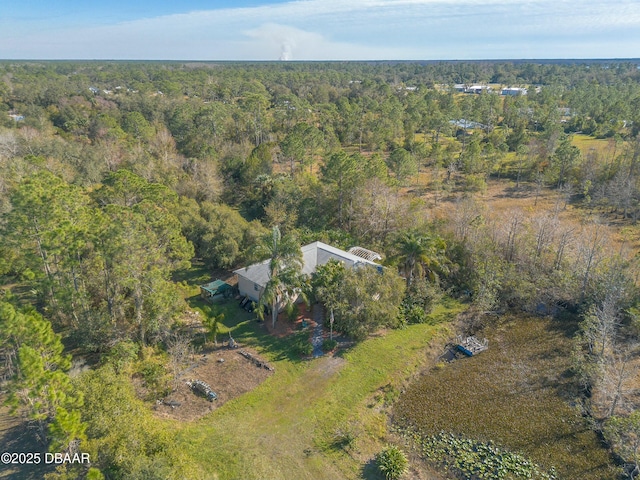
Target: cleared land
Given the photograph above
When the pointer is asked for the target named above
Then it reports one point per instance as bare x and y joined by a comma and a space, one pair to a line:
320, 419
227, 372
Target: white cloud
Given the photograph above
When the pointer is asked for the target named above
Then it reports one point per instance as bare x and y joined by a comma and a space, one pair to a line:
272, 39
355, 29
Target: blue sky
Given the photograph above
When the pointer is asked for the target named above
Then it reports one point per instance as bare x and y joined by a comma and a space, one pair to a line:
319, 29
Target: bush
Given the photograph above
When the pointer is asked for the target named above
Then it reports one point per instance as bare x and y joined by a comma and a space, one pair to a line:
420, 299
415, 314
124, 438
475, 183
392, 462
329, 345
155, 377
302, 346
471, 459
122, 354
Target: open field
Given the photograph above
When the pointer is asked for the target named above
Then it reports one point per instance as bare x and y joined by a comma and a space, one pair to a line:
320, 419
520, 394
502, 197
605, 149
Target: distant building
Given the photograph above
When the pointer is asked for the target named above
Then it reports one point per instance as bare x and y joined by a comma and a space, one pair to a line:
16, 118
513, 91
465, 88
467, 124
478, 89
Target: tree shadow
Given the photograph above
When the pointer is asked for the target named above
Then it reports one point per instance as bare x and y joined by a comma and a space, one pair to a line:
565, 322
279, 348
196, 274
525, 190
344, 346
370, 471
247, 330
20, 439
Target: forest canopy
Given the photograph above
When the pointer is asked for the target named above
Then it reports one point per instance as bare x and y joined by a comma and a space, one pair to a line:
116, 177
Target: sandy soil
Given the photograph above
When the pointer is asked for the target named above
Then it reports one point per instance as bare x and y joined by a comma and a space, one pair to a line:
227, 372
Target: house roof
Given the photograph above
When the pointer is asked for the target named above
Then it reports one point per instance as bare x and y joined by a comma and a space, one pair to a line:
313, 254
257, 273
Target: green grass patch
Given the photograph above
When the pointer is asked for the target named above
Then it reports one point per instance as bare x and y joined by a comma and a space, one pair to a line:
191, 278
603, 147
443, 311
508, 166
519, 394
313, 419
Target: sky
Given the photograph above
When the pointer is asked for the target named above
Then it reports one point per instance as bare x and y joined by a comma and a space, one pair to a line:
319, 29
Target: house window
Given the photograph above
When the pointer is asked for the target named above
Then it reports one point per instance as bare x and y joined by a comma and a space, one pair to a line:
255, 287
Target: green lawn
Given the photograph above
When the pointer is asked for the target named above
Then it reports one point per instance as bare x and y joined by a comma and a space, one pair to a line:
318, 419
604, 148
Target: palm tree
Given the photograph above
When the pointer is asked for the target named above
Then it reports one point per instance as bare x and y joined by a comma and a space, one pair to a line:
280, 292
285, 270
421, 253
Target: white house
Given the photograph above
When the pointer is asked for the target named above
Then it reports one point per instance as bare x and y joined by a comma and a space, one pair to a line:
253, 279
477, 89
513, 91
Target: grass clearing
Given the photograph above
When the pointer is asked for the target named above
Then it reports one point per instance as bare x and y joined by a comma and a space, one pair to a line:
604, 148
520, 394
320, 419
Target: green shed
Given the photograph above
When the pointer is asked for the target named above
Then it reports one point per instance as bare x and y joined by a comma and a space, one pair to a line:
215, 288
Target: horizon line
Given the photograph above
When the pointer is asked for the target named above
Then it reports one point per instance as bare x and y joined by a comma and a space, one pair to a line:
451, 60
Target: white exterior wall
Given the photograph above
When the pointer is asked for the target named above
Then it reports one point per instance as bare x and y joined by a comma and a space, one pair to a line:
247, 289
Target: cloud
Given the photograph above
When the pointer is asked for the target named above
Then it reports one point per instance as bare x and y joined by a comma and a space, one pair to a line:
271, 40
356, 29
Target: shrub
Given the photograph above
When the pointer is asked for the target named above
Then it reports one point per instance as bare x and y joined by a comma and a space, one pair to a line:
420, 299
329, 345
415, 314
155, 378
475, 183
472, 459
302, 346
392, 462
122, 354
